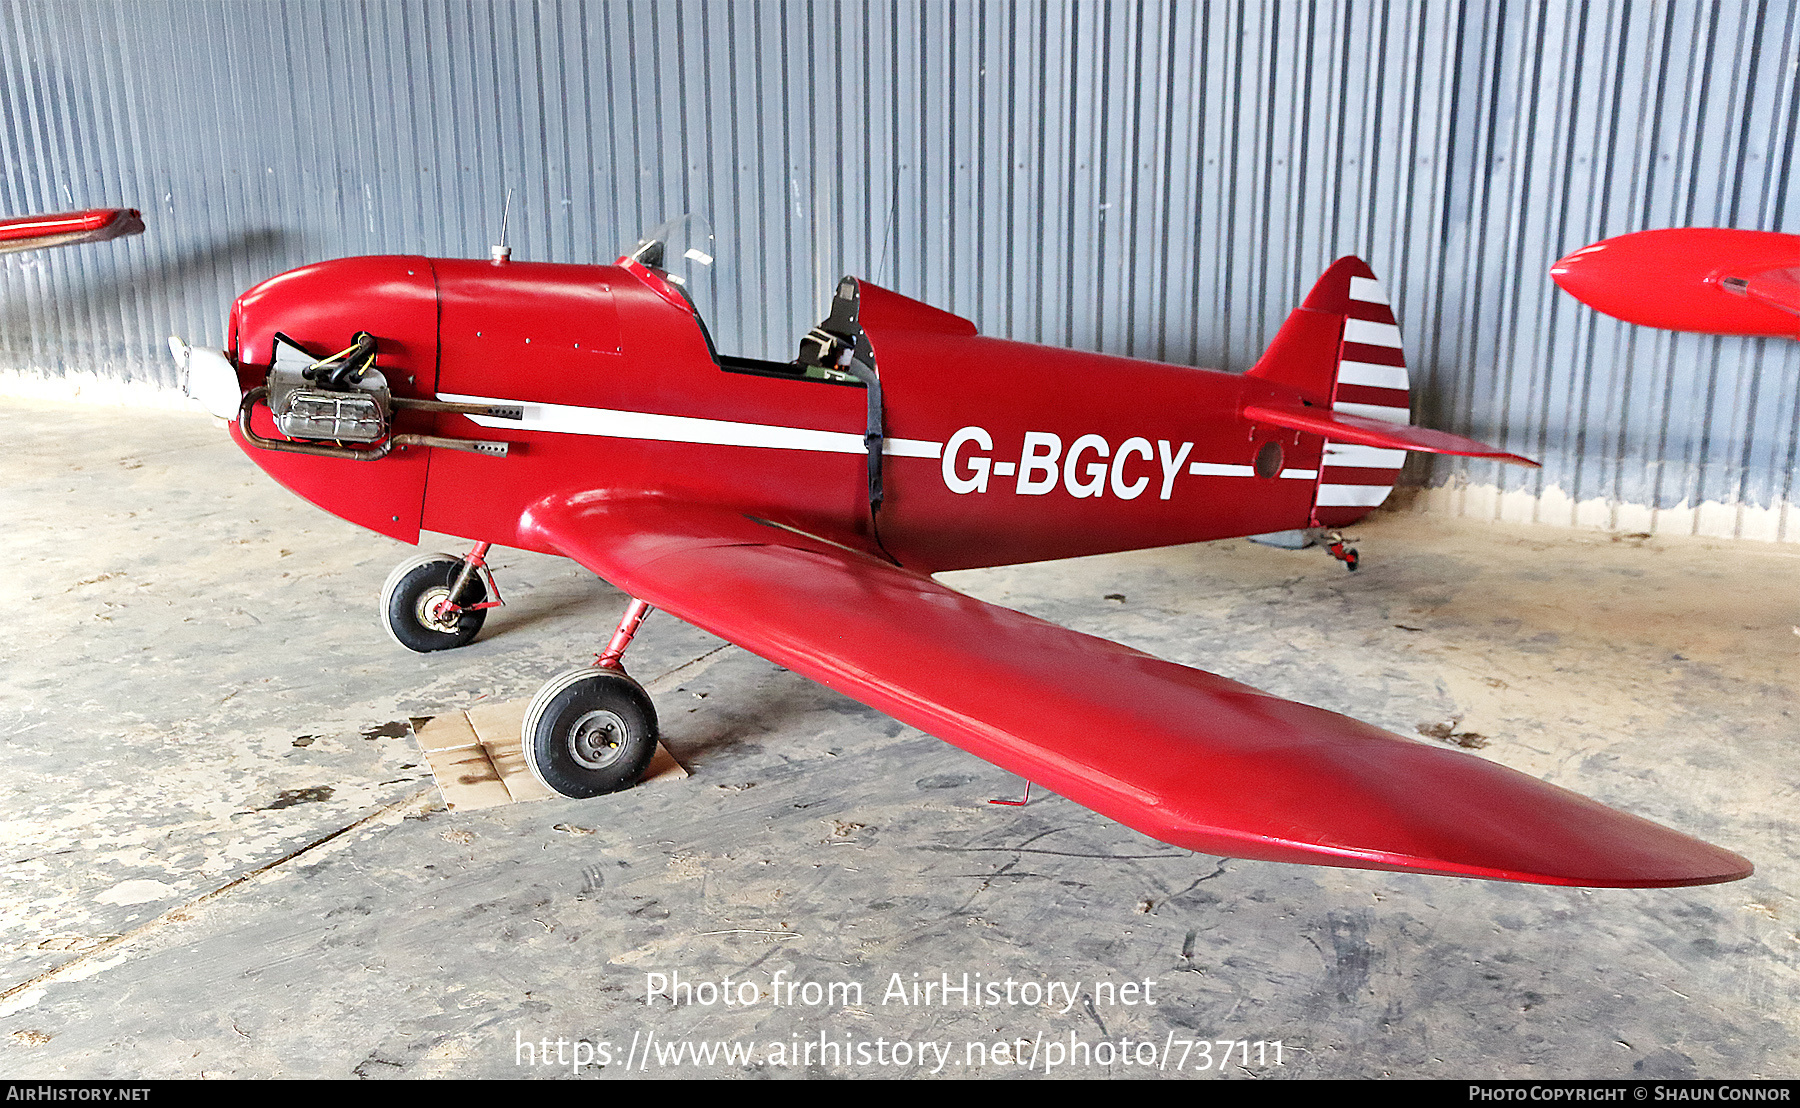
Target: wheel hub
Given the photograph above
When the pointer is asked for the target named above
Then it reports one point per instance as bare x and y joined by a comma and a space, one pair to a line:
432, 611
597, 739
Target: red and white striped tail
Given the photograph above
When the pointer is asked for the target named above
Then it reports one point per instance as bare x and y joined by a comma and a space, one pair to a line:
1341, 349
1371, 381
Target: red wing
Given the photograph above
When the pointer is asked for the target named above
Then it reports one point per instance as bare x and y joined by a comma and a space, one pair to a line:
1185, 756
36, 232
1363, 431
1715, 280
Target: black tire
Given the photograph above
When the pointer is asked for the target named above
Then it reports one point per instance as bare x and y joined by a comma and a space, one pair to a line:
411, 591
588, 732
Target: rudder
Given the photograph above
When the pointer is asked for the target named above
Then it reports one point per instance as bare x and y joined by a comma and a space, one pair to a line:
1341, 350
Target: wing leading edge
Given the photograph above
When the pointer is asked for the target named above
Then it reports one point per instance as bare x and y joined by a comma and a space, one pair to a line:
1185, 756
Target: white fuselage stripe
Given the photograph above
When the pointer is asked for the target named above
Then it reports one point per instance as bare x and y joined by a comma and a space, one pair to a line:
1372, 334
1219, 469
565, 419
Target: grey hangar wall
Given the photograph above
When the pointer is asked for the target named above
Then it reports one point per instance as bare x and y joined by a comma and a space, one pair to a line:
1162, 180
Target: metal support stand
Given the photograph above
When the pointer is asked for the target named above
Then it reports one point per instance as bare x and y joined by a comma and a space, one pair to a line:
1016, 803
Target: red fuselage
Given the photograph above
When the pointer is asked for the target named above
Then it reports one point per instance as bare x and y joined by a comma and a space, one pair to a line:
998, 452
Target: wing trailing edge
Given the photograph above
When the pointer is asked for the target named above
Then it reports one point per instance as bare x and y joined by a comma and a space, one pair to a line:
1182, 755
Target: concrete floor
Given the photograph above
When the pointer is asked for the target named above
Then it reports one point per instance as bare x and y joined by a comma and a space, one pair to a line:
224, 857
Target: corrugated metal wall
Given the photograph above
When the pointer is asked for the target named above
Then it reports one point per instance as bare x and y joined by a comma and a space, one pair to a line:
1158, 179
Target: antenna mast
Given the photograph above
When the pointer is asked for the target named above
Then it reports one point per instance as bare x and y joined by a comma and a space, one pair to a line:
501, 252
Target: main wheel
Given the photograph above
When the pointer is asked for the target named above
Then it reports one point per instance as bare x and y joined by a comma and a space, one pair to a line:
411, 599
589, 731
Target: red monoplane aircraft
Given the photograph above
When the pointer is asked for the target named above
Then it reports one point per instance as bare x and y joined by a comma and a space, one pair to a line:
38, 232
799, 509
1714, 280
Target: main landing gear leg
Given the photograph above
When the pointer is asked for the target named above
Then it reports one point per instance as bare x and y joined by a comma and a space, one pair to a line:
614, 654
593, 730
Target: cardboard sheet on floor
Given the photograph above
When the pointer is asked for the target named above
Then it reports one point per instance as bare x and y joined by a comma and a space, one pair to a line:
476, 757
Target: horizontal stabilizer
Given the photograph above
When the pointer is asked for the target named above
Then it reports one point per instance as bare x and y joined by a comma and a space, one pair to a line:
1363, 431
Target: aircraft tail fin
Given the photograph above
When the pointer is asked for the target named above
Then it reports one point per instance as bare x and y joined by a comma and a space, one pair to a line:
1340, 349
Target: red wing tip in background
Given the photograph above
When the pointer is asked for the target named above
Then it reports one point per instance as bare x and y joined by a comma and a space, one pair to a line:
1778, 288
1713, 280
38, 232
1363, 431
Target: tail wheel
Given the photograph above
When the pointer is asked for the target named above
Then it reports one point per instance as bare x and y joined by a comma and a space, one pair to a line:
412, 604
588, 732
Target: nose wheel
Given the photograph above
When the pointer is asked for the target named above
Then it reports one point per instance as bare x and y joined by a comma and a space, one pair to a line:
438, 601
